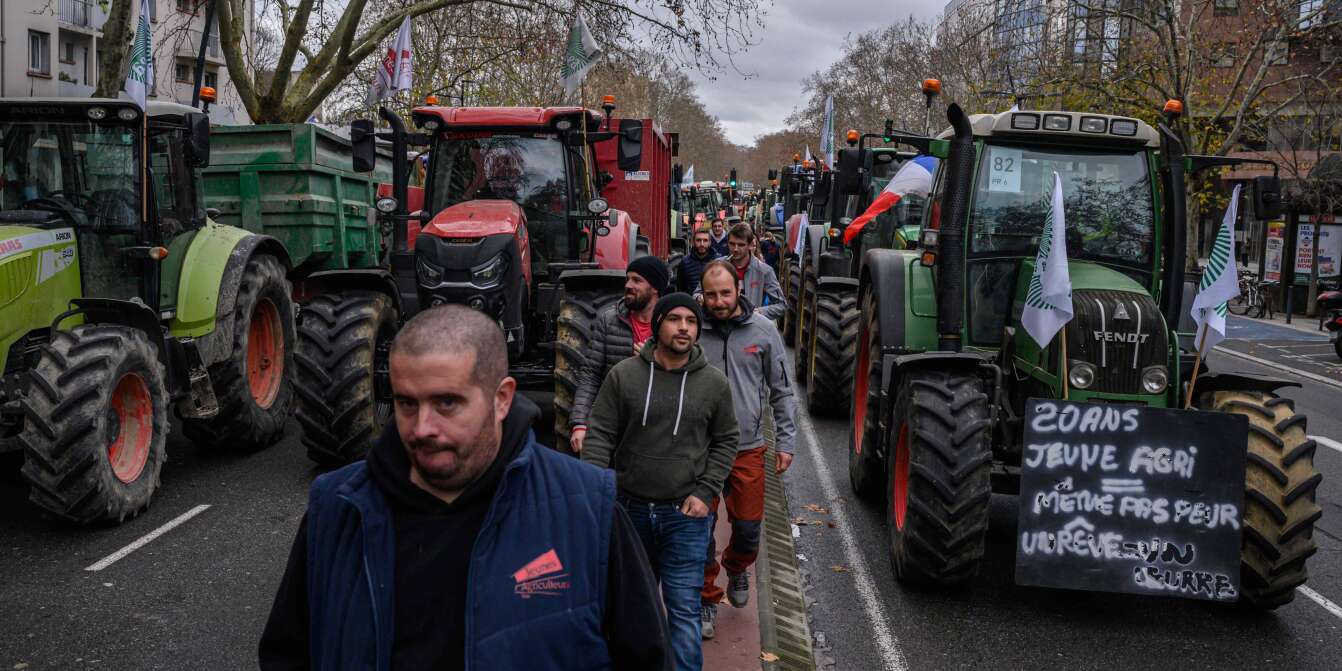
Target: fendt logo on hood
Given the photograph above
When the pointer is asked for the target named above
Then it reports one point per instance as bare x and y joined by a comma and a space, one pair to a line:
1110, 336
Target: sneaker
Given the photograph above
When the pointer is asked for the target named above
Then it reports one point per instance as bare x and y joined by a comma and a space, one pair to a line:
738, 588
708, 617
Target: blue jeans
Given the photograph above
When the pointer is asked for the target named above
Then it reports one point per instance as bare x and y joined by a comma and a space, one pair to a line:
676, 545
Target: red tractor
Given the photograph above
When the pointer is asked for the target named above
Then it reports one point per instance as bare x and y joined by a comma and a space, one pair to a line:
514, 225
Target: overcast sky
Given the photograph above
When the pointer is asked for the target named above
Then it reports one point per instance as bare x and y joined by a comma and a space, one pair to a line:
758, 105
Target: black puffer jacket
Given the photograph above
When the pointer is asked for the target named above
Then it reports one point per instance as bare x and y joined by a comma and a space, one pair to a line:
612, 342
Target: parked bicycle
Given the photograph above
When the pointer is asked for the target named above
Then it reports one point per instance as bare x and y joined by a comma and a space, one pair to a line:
1254, 299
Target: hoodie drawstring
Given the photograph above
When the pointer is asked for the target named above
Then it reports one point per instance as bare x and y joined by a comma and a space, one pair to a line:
647, 400
680, 403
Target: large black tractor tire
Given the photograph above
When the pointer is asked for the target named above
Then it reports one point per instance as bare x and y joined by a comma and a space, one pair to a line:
344, 374
833, 347
805, 324
938, 466
866, 473
95, 425
1280, 507
254, 384
792, 289
577, 315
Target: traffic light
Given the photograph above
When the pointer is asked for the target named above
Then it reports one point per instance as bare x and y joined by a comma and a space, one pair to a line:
732, 181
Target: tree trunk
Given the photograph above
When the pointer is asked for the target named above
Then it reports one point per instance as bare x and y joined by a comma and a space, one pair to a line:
118, 33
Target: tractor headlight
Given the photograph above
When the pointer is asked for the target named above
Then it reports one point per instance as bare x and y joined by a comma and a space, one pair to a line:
429, 274
1155, 379
489, 273
1081, 375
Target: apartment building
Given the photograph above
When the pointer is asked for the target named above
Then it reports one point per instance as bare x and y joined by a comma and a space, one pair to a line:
51, 48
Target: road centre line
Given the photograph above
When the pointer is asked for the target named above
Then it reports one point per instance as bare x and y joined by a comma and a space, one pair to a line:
1279, 367
1327, 442
146, 539
891, 657
1319, 599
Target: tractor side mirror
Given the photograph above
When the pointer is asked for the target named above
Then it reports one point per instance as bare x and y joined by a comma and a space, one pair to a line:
1266, 198
773, 174
364, 144
848, 177
198, 139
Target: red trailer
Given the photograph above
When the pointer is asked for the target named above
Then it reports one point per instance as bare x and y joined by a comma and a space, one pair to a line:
638, 159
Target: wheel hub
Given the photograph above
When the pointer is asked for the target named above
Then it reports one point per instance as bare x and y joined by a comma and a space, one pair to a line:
132, 423
265, 353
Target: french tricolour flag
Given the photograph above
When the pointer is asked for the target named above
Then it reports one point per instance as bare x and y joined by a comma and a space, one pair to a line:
913, 178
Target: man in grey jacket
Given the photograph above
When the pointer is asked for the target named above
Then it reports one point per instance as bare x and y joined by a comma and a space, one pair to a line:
759, 283
746, 346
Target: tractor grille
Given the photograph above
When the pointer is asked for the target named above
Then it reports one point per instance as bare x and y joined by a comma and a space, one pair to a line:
16, 277
1120, 333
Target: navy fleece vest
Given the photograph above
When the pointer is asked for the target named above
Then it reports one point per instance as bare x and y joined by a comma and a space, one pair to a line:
537, 586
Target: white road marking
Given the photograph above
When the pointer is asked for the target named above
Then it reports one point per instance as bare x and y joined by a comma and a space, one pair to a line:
146, 539
1319, 599
1285, 369
1328, 443
891, 657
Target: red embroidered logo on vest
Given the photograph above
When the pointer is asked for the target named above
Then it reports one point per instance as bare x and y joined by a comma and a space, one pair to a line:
542, 576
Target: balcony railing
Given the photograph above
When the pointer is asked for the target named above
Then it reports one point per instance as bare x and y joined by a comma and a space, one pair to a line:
212, 47
77, 12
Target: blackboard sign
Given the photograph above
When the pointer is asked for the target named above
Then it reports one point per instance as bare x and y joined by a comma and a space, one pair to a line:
1120, 498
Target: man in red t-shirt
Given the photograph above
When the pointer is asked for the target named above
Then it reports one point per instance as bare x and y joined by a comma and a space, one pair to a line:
617, 334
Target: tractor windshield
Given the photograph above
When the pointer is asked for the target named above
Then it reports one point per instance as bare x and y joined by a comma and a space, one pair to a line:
83, 172
1107, 203
526, 169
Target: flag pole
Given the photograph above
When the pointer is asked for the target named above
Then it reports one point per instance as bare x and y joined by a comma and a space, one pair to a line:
1063, 333
1197, 363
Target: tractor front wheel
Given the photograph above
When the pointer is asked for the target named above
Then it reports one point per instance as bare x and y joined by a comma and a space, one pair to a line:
253, 384
96, 425
938, 473
833, 346
864, 429
1280, 483
344, 374
805, 323
792, 287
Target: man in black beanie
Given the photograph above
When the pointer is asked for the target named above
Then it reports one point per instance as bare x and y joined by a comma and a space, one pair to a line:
615, 332
664, 421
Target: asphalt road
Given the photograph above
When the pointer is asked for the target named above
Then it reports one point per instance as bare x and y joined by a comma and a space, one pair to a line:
868, 621
197, 596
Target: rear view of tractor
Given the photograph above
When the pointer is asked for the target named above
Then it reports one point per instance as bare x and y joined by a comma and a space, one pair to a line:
120, 298
948, 381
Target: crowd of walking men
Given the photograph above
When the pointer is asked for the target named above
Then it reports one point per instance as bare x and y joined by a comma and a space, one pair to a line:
460, 542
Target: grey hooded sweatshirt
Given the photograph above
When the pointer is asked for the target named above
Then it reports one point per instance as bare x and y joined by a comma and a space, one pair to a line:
749, 350
667, 433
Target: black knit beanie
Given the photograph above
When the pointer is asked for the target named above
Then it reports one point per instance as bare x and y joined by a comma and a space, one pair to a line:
653, 270
669, 302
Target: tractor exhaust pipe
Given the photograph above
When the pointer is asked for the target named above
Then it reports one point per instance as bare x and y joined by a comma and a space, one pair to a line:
951, 238
1176, 228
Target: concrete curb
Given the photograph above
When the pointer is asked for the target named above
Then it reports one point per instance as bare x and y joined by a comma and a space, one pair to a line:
784, 628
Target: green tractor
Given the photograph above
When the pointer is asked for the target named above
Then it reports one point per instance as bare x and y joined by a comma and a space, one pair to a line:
119, 296
944, 367
831, 268
796, 190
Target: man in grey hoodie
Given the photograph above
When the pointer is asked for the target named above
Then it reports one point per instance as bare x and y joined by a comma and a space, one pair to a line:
748, 349
664, 421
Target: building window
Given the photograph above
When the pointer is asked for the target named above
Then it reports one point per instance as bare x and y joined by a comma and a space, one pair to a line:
1225, 8
39, 52
212, 80
188, 6
153, 10
1329, 53
184, 73
1277, 53
1311, 13
1223, 56
68, 52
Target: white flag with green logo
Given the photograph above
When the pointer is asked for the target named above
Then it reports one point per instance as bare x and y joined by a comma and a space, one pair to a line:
1048, 301
1220, 282
579, 56
141, 71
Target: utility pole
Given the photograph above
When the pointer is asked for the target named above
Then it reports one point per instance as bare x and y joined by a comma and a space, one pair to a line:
200, 55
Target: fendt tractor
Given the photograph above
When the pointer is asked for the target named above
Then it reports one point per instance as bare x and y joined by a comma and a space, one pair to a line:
514, 225
121, 297
945, 368
832, 268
